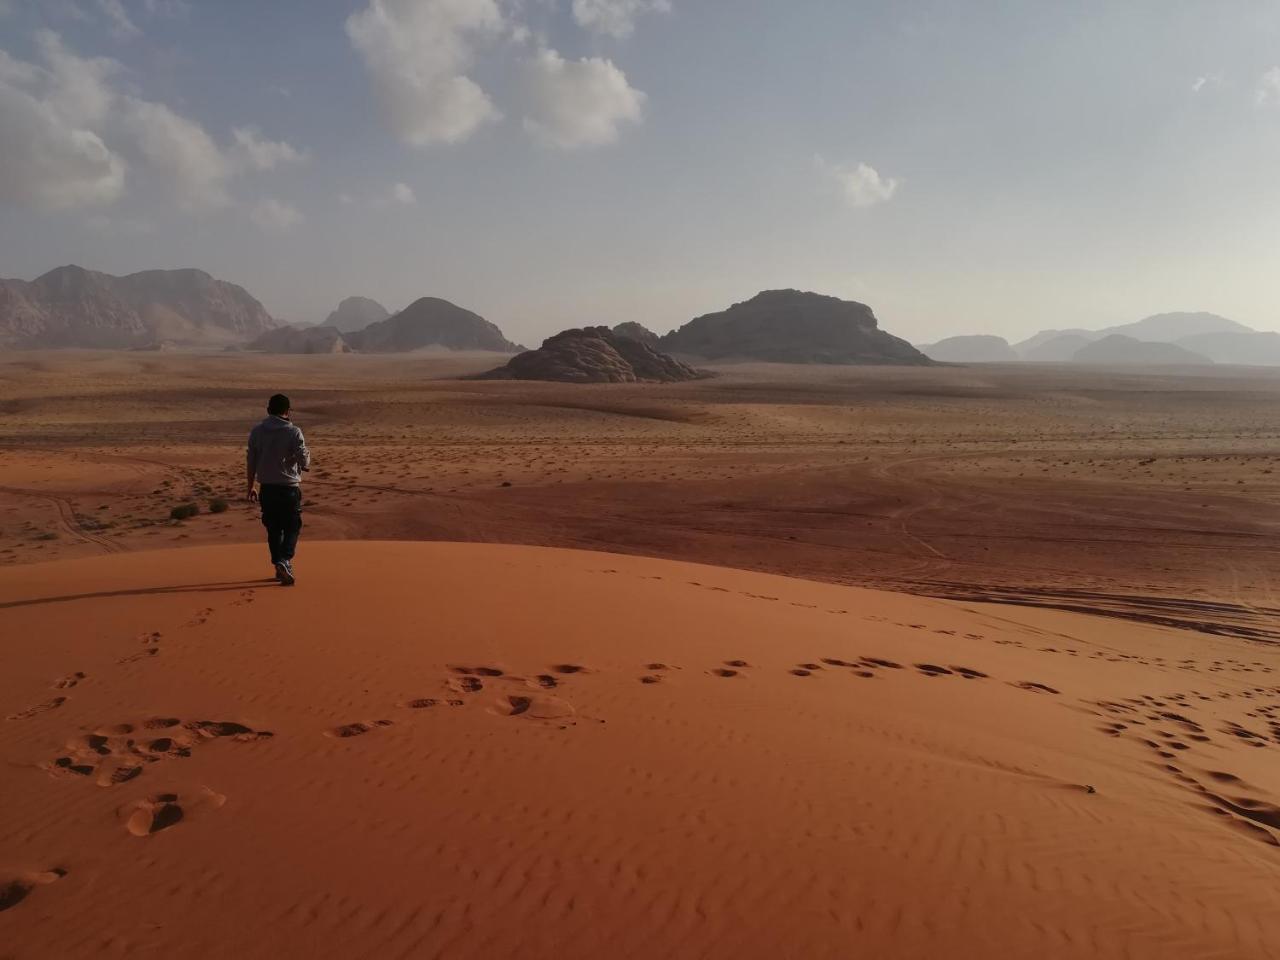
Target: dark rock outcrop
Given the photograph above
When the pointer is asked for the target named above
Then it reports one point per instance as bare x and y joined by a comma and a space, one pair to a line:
74, 307
432, 322
594, 355
977, 348
356, 313
789, 326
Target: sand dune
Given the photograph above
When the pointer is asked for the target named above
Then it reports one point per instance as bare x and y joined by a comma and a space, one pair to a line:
449, 750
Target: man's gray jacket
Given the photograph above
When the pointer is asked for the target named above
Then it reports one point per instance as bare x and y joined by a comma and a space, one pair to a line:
277, 453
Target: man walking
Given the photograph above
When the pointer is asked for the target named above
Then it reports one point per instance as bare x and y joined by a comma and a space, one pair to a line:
277, 456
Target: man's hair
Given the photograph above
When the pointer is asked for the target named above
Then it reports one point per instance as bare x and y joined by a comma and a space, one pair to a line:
278, 404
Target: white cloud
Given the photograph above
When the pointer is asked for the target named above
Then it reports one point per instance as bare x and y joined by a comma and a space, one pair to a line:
49, 154
861, 184
253, 150
1268, 87
180, 150
274, 216
78, 88
579, 103
122, 28
417, 53
617, 18
67, 136
403, 193
48, 162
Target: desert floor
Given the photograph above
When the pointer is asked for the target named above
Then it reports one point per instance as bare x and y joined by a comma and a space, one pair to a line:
1154, 496
1050, 730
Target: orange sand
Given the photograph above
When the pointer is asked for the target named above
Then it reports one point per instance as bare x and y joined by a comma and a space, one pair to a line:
449, 750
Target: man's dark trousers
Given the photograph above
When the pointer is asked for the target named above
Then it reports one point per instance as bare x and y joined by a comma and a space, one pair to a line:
282, 516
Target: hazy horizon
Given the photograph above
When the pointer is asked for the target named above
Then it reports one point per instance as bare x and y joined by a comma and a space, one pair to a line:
550, 163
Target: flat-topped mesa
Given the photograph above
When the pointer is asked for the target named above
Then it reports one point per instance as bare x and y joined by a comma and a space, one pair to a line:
594, 355
74, 307
432, 322
792, 326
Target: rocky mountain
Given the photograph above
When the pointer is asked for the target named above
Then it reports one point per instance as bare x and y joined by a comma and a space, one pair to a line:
789, 326
594, 355
1059, 349
74, 307
1171, 327
432, 322
1253, 349
1120, 349
291, 339
976, 348
637, 331
356, 313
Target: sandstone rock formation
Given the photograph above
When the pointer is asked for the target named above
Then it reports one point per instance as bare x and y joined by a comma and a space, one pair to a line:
432, 322
790, 326
594, 355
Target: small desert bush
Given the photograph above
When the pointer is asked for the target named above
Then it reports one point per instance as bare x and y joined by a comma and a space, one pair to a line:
183, 511
218, 505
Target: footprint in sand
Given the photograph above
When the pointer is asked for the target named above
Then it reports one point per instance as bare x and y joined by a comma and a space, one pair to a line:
161, 811
425, 703
933, 670
38, 709
536, 707
466, 684
359, 729
655, 674
70, 680
1033, 686
118, 752
479, 671
15, 889
156, 813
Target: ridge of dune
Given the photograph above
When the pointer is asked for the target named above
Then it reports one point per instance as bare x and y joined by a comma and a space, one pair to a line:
475, 750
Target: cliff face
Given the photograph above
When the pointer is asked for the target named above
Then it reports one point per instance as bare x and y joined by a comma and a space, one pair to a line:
789, 326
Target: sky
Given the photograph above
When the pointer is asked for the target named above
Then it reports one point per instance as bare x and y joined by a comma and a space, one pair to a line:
991, 166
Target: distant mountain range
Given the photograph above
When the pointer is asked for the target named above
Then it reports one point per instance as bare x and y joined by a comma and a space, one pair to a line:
1198, 338
74, 307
